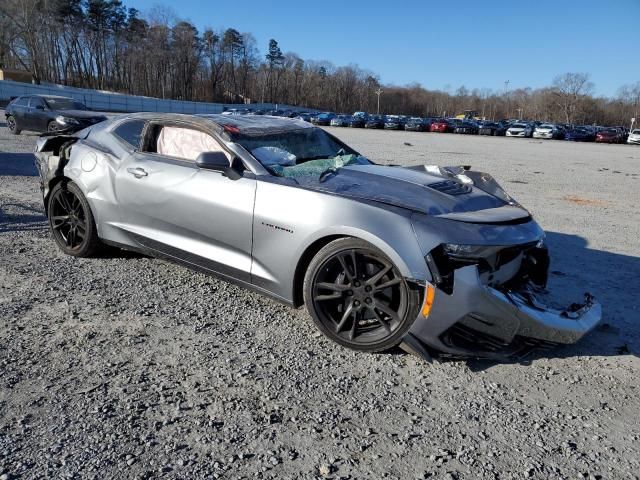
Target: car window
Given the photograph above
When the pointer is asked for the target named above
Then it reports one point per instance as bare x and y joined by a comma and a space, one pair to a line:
62, 103
185, 143
36, 102
130, 132
22, 101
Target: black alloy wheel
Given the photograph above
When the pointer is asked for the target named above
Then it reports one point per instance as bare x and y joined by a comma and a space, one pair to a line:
358, 298
71, 221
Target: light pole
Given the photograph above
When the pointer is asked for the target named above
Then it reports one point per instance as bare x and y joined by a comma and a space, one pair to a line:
506, 94
378, 92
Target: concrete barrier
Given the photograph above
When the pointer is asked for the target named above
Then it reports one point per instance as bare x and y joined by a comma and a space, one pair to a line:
117, 102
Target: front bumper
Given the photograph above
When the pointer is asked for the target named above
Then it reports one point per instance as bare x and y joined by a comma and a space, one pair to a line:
481, 321
543, 135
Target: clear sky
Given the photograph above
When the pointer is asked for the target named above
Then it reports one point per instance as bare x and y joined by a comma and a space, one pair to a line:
442, 44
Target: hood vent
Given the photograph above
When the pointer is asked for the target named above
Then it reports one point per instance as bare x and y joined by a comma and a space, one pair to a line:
450, 187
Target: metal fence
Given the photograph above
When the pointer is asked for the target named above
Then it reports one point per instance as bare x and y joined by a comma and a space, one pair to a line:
117, 102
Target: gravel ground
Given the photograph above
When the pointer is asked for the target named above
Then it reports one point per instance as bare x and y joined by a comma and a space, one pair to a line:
125, 366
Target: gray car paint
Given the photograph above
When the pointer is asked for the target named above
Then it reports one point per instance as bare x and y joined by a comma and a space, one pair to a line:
256, 230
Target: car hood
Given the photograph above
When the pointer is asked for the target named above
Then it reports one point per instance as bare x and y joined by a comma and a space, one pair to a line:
421, 189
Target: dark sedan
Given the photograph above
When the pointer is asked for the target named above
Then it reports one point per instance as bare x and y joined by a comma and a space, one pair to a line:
41, 113
323, 119
394, 122
467, 127
358, 121
580, 134
376, 121
417, 124
493, 128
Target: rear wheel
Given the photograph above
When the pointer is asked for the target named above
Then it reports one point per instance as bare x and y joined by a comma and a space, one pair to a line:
71, 221
12, 125
53, 127
357, 297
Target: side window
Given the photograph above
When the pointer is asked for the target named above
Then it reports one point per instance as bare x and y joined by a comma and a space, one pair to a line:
36, 102
130, 132
185, 143
22, 101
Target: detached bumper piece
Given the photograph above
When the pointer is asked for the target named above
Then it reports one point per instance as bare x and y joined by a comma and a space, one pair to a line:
474, 317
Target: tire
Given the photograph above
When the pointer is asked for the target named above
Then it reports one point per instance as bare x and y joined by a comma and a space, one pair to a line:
369, 309
12, 125
53, 126
71, 221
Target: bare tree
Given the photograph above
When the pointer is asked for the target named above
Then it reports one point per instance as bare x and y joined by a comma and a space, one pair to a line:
569, 89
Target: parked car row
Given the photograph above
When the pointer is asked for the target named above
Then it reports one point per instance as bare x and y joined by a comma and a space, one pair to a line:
48, 113
508, 128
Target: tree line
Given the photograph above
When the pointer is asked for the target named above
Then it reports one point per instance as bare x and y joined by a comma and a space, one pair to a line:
102, 44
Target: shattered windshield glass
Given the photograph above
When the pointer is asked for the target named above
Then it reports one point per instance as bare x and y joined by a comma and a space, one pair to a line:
307, 151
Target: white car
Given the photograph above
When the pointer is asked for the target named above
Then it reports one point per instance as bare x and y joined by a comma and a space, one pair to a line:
520, 130
634, 137
547, 131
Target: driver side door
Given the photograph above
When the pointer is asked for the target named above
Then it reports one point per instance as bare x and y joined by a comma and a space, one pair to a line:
172, 207
38, 117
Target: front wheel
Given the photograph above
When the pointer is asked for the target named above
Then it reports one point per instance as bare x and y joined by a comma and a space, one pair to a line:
12, 125
71, 221
357, 297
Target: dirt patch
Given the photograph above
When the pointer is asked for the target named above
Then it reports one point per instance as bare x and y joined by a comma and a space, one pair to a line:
585, 201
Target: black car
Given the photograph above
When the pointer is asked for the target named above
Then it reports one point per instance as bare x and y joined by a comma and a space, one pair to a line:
580, 134
375, 121
323, 119
358, 121
468, 127
417, 124
493, 128
394, 122
48, 113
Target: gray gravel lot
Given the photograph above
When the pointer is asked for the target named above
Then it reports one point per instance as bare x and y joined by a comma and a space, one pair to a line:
125, 366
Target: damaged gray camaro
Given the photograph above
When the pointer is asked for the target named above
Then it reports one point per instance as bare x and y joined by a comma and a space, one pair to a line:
435, 259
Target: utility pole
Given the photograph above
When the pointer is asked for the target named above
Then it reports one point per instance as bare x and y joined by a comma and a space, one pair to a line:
506, 94
378, 92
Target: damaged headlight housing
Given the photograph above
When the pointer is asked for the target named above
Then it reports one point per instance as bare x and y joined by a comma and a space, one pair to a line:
470, 251
62, 120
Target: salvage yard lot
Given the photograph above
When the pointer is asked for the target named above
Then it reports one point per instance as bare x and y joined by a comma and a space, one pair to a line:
125, 366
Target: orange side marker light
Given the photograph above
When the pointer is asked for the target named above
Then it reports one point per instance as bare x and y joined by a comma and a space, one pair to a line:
428, 300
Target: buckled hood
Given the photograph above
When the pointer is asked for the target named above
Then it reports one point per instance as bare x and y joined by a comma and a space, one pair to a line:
423, 189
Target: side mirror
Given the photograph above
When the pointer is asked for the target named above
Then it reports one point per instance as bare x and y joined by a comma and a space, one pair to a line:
217, 161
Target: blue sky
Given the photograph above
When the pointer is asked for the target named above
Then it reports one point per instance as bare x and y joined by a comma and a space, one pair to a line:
443, 44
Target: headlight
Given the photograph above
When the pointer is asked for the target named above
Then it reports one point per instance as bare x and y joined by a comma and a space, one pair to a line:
470, 251
66, 120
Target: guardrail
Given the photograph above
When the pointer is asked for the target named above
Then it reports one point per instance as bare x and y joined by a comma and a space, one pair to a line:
118, 102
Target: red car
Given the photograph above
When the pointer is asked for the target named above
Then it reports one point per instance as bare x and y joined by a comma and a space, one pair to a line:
610, 135
441, 126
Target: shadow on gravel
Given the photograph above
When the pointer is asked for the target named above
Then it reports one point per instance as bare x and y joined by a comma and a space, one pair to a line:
18, 165
16, 217
613, 279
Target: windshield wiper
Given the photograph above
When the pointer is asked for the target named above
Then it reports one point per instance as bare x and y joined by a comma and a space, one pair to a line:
325, 173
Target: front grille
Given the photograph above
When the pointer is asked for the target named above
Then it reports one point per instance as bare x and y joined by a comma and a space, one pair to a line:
450, 187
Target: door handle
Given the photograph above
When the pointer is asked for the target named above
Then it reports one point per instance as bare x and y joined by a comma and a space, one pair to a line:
137, 172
